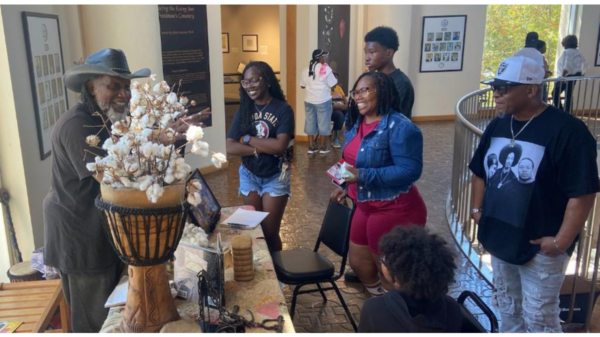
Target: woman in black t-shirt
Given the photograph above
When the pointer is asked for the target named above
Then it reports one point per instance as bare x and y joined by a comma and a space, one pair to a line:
262, 134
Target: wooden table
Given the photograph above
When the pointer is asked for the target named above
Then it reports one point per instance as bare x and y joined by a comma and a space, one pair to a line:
262, 295
34, 303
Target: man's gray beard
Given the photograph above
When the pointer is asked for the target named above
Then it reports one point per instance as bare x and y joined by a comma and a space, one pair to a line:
115, 116
112, 114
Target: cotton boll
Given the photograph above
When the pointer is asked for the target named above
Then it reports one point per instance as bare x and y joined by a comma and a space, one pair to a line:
194, 133
218, 159
91, 167
166, 119
200, 148
145, 182
169, 178
108, 143
172, 98
146, 150
92, 140
154, 192
157, 88
148, 120
138, 112
166, 151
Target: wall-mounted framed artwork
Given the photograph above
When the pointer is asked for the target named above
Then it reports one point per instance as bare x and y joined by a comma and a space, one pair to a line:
443, 43
46, 69
225, 42
249, 42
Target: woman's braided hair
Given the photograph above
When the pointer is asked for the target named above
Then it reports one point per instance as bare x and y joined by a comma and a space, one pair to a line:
388, 99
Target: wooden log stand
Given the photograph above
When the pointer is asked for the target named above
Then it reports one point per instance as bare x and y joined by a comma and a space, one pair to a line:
145, 242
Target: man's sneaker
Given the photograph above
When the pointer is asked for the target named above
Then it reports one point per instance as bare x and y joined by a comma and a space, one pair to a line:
312, 149
350, 276
324, 150
336, 143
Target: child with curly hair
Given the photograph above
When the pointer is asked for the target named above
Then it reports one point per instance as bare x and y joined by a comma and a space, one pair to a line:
420, 265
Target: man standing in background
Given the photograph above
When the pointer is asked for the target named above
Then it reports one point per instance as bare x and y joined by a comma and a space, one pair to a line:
381, 44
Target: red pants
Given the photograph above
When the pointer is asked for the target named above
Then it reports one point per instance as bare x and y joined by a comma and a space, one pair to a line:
374, 219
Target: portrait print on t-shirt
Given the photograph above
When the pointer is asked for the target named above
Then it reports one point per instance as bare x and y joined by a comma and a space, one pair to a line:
510, 177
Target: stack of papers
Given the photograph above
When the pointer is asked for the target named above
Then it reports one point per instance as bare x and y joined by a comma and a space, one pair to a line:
245, 218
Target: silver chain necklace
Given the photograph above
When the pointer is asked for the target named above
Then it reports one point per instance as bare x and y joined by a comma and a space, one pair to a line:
263, 109
512, 141
502, 179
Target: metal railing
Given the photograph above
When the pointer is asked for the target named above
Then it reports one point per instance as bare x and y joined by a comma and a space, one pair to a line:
473, 113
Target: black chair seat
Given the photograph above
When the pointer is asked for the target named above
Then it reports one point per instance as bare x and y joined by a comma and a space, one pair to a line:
301, 265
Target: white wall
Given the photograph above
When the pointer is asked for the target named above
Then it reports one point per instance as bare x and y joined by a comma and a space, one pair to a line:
262, 20
282, 47
306, 41
215, 135
110, 26
26, 177
588, 36
437, 93
400, 18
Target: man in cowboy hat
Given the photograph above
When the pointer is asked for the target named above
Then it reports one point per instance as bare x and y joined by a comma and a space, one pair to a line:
74, 240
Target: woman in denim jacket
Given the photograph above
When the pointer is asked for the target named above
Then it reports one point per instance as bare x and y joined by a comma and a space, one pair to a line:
386, 152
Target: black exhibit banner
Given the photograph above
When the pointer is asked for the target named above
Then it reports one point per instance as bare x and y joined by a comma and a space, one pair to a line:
184, 39
334, 37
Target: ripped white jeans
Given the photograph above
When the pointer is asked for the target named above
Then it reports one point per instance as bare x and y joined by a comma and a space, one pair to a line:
527, 295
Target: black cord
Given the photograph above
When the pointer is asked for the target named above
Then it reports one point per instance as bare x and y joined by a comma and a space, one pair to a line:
229, 321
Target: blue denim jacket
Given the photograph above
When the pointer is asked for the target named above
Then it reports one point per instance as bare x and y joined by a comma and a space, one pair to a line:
390, 158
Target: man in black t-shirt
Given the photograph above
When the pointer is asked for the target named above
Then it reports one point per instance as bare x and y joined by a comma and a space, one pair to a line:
531, 210
381, 44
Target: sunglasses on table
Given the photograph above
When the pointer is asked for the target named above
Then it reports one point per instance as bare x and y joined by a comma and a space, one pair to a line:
253, 82
504, 88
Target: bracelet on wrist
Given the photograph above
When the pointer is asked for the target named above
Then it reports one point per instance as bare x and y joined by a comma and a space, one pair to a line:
557, 247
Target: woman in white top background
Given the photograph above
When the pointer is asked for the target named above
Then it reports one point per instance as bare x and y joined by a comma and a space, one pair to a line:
318, 79
571, 63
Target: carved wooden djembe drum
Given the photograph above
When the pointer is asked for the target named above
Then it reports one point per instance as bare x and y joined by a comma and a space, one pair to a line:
145, 236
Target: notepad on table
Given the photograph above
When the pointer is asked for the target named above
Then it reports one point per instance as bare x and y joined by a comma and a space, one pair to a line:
245, 218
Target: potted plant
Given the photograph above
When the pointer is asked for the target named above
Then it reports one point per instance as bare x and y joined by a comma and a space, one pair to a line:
143, 195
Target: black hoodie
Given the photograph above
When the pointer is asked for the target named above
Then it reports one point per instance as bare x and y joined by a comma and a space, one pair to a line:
398, 312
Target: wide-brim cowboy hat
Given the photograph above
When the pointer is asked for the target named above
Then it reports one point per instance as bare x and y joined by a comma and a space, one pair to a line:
111, 62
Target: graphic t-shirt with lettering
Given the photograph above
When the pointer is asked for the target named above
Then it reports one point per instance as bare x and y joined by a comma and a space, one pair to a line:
269, 121
529, 182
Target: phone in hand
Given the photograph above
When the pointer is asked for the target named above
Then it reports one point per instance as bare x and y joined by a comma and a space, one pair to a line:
335, 173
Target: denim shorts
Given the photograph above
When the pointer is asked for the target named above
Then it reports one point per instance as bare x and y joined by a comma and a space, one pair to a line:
318, 118
249, 182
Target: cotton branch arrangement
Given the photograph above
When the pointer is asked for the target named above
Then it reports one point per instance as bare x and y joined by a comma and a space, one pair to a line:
141, 151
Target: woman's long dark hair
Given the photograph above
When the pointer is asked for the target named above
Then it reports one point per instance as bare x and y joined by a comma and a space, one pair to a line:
247, 108
311, 66
388, 99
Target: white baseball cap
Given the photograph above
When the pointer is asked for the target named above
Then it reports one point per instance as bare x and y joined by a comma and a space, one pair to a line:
519, 69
